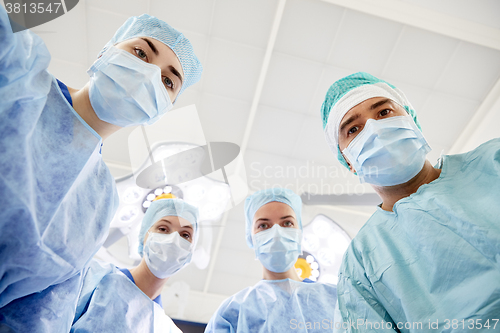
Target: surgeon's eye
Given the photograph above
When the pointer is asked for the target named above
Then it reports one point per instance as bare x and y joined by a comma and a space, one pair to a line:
141, 54
186, 235
262, 226
288, 224
384, 112
163, 229
352, 130
169, 83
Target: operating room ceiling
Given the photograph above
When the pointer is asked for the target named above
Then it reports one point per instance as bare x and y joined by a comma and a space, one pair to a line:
267, 66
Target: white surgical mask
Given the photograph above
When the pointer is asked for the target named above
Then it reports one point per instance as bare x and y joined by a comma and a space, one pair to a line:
388, 152
126, 91
166, 254
278, 248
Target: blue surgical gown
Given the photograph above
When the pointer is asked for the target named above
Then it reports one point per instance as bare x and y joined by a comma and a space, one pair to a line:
277, 306
57, 197
434, 260
111, 302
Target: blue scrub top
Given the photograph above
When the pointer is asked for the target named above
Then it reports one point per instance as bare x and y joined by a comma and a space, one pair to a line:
65, 91
129, 275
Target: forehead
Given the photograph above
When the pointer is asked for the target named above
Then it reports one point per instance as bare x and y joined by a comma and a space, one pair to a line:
273, 210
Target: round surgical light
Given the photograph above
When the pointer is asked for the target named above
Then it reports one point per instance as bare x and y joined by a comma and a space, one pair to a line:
131, 195
307, 267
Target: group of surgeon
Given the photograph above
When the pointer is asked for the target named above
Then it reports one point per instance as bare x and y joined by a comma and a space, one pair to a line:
427, 260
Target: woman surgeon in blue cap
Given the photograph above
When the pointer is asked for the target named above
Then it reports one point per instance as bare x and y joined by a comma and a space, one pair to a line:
122, 300
281, 301
57, 197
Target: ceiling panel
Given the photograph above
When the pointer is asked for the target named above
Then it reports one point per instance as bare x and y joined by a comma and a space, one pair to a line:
247, 22
290, 83
485, 12
329, 75
101, 26
308, 29
472, 71
223, 118
232, 69
123, 7
445, 117
56, 34
364, 43
420, 57
311, 144
277, 130
192, 15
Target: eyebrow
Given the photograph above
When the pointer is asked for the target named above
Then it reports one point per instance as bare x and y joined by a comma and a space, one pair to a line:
286, 217
379, 103
348, 121
151, 45
182, 226
175, 72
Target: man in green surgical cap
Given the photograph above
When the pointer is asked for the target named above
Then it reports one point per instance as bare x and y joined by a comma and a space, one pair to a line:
429, 258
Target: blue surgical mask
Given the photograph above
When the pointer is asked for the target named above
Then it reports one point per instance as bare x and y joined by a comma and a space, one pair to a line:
278, 248
126, 91
166, 254
388, 152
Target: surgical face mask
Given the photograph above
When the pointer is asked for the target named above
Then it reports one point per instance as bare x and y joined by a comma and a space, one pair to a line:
126, 91
388, 152
166, 254
278, 248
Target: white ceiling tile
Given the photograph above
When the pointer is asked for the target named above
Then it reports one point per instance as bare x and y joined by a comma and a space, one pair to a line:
364, 42
485, 12
246, 22
234, 234
472, 72
123, 7
73, 75
275, 131
445, 116
311, 144
328, 77
222, 118
308, 28
232, 69
190, 96
290, 83
417, 95
69, 27
101, 26
192, 15
420, 57
265, 170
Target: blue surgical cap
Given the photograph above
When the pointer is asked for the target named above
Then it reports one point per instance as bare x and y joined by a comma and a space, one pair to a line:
168, 207
348, 92
262, 197
150, 26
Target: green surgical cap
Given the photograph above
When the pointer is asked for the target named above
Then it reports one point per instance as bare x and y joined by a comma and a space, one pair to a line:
348, 92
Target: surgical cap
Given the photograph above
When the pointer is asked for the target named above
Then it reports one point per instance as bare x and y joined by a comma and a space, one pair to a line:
168, 207
150, 26
348, 92
260, 198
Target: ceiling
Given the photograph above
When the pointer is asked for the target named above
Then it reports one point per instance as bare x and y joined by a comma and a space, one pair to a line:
267, 66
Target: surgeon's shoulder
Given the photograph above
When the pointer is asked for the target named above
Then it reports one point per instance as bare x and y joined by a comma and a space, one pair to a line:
486, 156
